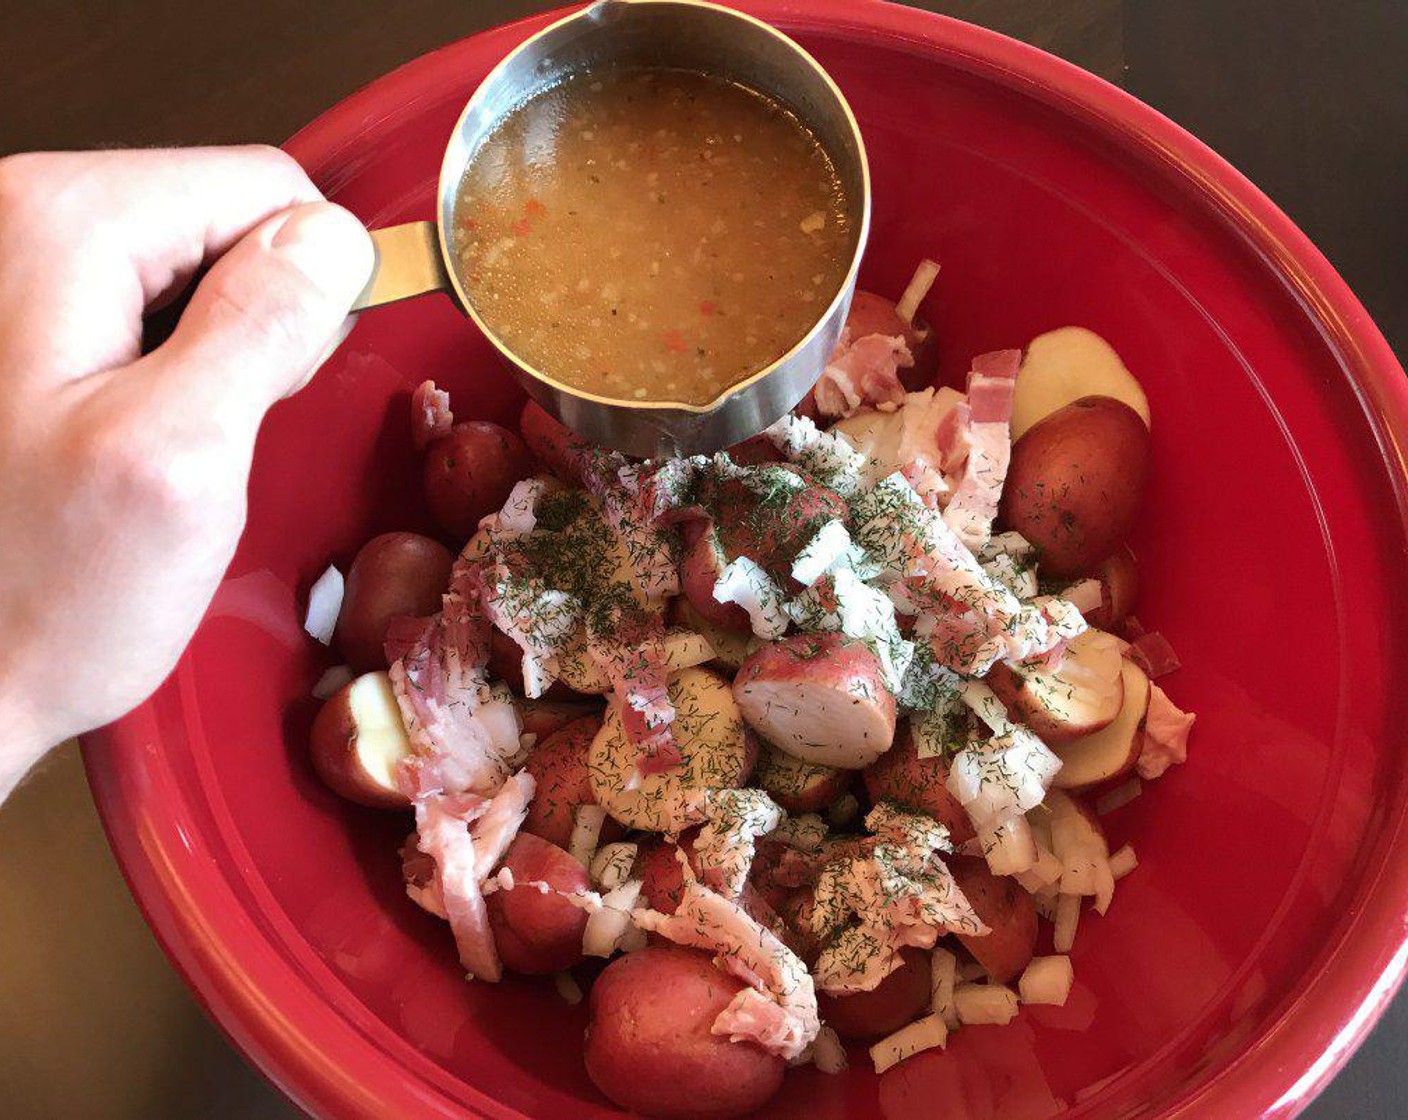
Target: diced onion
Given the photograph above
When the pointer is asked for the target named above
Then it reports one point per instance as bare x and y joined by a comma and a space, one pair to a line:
568, 988
1009, 847
1123, 862
1067, 918
332, 681
607, 927
1046, 872
943, 975
324, 605
971, 970
922, 1034
1119, 796
828, 1055
1104, 885
611, 866
586, 831
1047, 980
918, 287
979, 1004
1045, 902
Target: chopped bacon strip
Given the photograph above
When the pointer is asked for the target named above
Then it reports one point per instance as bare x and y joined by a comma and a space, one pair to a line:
991, 381
863, 371
1153, 653
725, 845
431, 417
1166, 729
973, 506
406, 632
632, 652
705, 920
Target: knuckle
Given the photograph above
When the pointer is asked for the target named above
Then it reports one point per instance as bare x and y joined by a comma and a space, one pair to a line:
173, 482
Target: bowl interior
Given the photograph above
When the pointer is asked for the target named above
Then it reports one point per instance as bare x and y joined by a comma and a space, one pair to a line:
1266, 551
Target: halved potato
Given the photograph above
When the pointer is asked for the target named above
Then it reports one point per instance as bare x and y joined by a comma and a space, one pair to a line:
1084, 694
357, 741
684, 649
1064, 365
1112, 751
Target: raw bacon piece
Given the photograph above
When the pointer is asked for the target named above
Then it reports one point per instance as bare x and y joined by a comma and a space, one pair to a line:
724, 847
1153, 653
1166, 729
442, 830
863, 371
431, 417
753, 953
630, 647
975, 499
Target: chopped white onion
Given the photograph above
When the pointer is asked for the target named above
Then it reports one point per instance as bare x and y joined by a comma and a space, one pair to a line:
1047, 980
1123, 862
1119, 796
1009, 847
607, 927
568, 988
922, 1034
324, 605
943, 975
1104, 886
1045, 901
332, 681
586, 831
611, 866
918, 287
820, 553
979, 1004
971, 970
1067, 918
828, 1055
1046, 872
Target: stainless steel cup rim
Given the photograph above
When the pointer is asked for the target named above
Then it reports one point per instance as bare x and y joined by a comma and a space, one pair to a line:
405, 270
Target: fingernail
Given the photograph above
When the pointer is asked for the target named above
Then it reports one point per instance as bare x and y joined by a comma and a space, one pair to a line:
329, 246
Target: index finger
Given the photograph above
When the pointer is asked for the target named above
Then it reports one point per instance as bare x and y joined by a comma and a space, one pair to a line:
89, 240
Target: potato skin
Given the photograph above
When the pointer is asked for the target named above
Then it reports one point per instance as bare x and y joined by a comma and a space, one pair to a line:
535, 932
1076, 482
552, 443
799, 787
469, 473
392, 574
1007, 908
900, 998
559, 768
901, 776
332, 747
1118, 574
649, 1047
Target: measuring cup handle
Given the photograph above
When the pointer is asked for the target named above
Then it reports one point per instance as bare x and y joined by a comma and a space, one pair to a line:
408, 264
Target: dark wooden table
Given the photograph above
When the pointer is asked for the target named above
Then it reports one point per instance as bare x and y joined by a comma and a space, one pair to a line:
1308, 97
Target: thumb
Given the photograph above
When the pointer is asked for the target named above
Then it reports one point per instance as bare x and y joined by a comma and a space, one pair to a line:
266, 314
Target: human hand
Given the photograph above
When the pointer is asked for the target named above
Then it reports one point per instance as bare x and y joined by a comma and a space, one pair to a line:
122, 475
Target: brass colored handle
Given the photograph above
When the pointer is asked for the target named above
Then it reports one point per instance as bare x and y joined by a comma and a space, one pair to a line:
408, 264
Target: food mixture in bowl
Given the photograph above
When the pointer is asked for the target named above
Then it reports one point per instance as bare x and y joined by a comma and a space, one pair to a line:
810, 739
651, 234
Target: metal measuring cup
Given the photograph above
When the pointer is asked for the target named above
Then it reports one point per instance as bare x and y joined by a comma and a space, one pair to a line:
417, 258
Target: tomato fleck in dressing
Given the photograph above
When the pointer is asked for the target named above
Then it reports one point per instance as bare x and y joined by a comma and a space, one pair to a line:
651, 234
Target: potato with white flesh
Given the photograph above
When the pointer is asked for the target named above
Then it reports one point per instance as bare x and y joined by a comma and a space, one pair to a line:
650, 1043
684, 649
901, 776
1111, 752
357, 741
1081, 695
799, 787
898, 999
730, 648
538, 931
1076, 482
718, 752
821, 698
1008, 912
559, 765
1118, 574
1064, 365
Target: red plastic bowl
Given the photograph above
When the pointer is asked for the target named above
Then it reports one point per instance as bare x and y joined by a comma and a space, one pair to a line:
1264, 929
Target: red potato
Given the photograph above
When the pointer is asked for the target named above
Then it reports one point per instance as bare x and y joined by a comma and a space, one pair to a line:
1064, 365
717, 749
650, 1047
357, 741
799, 787
559, 768
543, 717
1007, 909
470, 472
701, 563
754, 452
821, 698
1113, 751
796, 912
393, 574
873, 314
538, 932
1118, 574
552, 443
1076, 482
730, 648
901, 776
1082, 695
900, 998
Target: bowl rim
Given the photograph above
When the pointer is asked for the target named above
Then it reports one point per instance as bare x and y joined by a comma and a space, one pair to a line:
330, 1065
